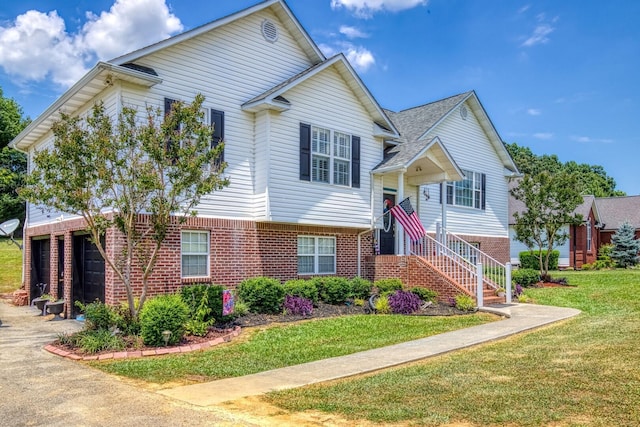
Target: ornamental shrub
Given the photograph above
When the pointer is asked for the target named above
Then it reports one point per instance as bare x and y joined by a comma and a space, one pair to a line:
425, 294
382, 305
387, 286
262, 294
333, 290
404, 302
297, 306
625, 246
192, 295
98, 315
161, 313
302, 288
529, 259
465, 302
95, 340
525, 276
360, 288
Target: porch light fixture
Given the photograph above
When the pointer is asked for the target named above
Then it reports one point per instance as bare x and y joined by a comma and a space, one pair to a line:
425, 193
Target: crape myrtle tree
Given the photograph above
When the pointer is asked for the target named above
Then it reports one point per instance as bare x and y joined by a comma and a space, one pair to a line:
110, 171
550, 200
625, 246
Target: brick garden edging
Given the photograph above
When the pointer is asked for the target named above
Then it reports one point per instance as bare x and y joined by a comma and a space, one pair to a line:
143, 353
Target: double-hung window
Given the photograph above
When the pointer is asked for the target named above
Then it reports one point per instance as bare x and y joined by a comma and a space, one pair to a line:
329, 156
194, 251
316, 255
588, 224
469, 192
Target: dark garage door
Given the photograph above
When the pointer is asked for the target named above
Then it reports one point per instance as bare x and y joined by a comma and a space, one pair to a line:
88, 271
40, 268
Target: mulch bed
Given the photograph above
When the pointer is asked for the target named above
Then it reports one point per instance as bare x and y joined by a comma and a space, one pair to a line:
252, 319
327, 310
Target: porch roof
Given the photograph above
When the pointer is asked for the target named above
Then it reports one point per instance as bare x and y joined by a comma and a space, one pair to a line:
422, 164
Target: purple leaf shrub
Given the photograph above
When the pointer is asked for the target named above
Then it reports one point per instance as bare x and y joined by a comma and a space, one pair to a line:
298, 305
404, 302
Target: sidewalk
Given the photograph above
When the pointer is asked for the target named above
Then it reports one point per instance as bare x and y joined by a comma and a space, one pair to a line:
518, 318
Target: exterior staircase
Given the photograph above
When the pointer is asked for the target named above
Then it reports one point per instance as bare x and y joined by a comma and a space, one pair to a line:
472, 270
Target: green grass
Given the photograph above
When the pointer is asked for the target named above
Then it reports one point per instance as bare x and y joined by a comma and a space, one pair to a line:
582, 372
280, 346
10, 266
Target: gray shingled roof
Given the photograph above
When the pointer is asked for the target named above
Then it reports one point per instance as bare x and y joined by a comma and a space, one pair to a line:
616, 210
412, 124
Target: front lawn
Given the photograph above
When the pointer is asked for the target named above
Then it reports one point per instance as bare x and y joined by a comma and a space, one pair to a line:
10, 266
582, 372
261, 349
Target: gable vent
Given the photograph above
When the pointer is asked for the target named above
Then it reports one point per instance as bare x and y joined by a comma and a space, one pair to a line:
269, 31
463, 112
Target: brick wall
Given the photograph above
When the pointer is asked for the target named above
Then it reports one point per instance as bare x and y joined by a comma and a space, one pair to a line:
238, 250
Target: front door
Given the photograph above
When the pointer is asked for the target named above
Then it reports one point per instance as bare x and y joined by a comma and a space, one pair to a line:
387, 234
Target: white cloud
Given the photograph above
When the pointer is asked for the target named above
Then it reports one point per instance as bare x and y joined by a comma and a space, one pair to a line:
524, 8
533, 112
543, 135
366, 8
361, 58
128, 25
352, 32
37, 45
539, 35
589, 140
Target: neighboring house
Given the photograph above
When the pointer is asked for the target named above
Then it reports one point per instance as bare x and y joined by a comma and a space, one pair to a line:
614, 211
311, 159
583, 243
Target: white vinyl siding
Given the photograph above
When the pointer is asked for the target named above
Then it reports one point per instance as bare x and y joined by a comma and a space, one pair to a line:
316, 255
316, 202
516, 247
469, 145
194, 253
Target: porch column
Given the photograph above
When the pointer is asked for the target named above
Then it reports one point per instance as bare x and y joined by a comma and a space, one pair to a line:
399, 229
443, 191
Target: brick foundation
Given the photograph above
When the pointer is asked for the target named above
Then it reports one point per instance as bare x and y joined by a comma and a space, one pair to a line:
238, 250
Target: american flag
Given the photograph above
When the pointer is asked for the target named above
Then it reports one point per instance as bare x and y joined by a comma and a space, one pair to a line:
408, 218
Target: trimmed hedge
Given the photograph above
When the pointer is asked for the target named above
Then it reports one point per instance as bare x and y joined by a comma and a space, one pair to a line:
192, 295
386, 286
360, 288
529, 259
333, 290
303, 288
161, 313
262, 294
525, 276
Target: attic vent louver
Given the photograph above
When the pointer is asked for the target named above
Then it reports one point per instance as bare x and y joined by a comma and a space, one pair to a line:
463, 112
269, 31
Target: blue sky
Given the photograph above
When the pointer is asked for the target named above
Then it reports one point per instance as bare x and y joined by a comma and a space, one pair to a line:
560, 77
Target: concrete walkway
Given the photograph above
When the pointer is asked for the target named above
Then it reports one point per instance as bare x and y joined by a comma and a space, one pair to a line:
518, 318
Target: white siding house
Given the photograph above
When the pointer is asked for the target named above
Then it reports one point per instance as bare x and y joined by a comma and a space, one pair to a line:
311, 156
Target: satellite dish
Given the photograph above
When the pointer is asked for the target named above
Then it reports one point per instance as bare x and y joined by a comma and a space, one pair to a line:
8, 227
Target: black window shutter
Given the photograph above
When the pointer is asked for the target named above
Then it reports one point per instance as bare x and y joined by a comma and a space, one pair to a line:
450, 190
442, 184
217, 121
483, 195
355, 161
305, 152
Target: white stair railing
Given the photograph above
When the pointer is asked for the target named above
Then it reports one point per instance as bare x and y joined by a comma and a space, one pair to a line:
464, 263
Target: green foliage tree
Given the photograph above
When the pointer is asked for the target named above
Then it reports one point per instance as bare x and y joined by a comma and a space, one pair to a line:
550, 201
13, 164
591, 179
625, 246
109, 171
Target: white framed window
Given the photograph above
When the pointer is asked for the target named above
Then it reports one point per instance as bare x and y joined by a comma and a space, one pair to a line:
330, 156
469, 192
316, 255
194, 253
588, 235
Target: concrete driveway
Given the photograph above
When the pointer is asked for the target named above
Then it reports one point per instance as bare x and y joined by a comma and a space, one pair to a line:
38, 388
